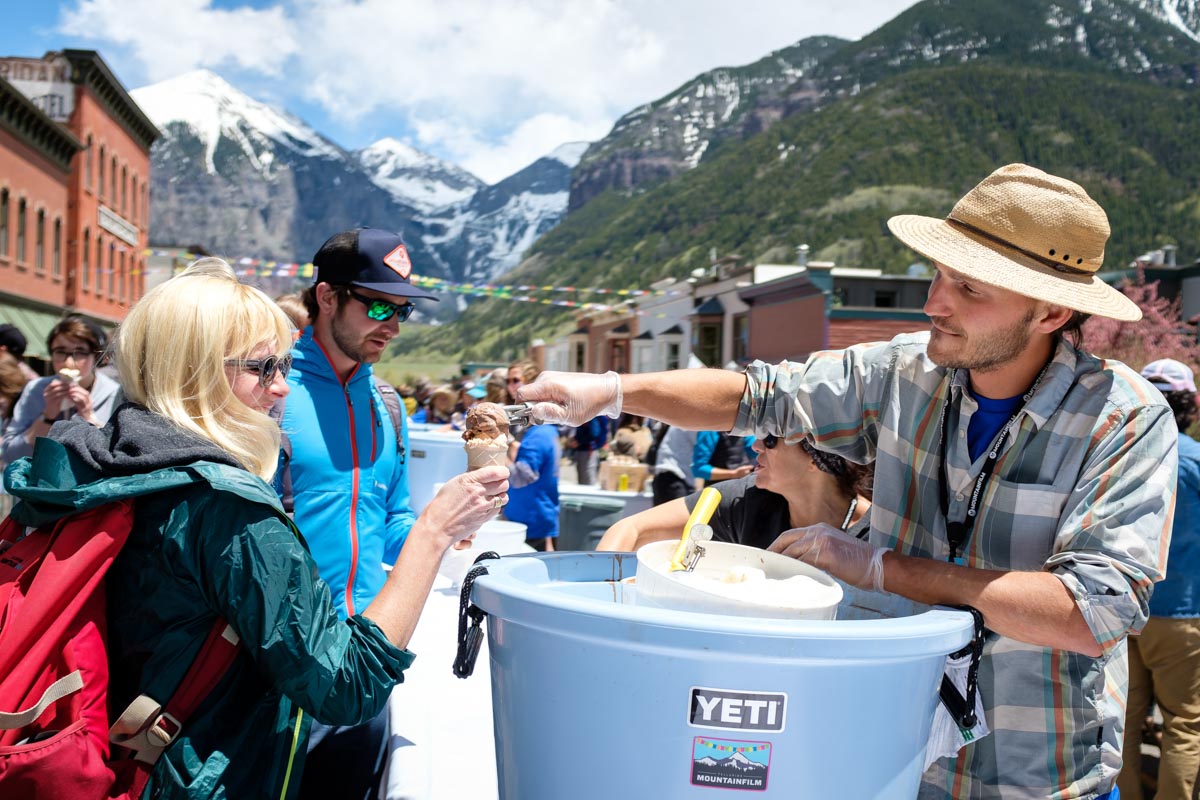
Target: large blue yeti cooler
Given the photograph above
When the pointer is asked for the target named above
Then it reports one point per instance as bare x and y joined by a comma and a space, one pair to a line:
596, 697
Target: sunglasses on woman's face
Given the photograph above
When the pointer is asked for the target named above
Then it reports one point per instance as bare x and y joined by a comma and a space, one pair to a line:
770, 440
382, 310
265, 367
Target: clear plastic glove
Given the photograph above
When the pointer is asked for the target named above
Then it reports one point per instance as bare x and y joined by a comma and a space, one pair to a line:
572, 398
843, 556
467, 501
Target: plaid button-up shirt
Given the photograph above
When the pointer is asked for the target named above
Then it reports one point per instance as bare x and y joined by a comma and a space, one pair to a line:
1084, 489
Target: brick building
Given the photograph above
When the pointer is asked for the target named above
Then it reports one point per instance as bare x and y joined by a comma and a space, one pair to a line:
74, 192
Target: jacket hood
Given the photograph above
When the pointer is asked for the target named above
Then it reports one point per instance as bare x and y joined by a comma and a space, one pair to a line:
138, 452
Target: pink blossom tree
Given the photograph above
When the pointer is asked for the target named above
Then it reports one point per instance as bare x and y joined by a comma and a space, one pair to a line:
1161, 333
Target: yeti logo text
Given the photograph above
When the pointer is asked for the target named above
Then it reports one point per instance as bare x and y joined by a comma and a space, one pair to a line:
744, 711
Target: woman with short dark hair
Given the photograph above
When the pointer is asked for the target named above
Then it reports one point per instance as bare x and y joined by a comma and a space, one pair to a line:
76, 389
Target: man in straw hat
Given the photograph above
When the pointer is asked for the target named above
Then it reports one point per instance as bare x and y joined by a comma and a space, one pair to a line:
1014, 472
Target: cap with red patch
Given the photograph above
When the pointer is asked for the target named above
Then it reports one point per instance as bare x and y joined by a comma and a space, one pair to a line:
370, 258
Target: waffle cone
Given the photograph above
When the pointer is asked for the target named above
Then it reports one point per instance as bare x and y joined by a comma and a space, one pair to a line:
492, 455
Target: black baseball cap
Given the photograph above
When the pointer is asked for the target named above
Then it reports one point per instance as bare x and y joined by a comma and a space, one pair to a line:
12, 339
368, 257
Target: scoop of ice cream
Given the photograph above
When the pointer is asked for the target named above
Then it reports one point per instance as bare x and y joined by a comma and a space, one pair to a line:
485, 421
69, 375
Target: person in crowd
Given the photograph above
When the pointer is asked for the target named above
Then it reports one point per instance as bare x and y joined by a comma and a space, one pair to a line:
422, 388
408, 397
672, 463
204, 358
793, 486
1164, 661
1015, 473
533, 459
13, 342
519, 373
440, 410
76, 390
720, 456
496, 387
586, 441
348, 471
633, 437
12, 382
293, 305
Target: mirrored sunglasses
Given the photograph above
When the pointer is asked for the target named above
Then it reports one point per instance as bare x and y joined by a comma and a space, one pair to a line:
382, 310
265, 367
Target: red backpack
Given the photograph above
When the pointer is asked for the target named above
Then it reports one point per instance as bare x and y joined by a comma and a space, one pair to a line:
55, 737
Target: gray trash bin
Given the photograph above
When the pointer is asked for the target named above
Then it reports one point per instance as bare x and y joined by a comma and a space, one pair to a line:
583, 520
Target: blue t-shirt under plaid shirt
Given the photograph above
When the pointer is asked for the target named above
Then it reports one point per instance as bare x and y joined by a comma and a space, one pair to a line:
1083, 489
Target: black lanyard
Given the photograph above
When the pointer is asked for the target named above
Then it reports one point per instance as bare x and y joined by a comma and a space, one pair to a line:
957, 532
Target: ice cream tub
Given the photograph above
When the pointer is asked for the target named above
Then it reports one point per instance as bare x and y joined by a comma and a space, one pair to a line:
736, 580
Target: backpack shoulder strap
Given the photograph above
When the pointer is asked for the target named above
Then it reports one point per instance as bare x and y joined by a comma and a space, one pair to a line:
147, 728
391, 399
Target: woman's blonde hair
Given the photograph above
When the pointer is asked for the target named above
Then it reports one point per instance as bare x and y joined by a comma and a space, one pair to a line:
171, 353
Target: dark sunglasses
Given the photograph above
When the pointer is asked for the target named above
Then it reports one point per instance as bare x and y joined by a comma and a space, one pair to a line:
265, 367
770, 440
382, 310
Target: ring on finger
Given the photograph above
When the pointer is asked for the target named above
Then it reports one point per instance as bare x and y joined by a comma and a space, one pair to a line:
498, 502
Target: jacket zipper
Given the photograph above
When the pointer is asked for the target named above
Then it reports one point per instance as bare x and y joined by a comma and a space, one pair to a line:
353, 503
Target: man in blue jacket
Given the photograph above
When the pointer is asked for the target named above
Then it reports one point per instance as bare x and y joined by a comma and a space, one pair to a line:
347, 467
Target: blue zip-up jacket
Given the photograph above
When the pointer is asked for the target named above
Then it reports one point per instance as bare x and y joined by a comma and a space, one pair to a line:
350, 485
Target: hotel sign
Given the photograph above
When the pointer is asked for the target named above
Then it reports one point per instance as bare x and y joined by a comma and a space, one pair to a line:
47, 83
118, 226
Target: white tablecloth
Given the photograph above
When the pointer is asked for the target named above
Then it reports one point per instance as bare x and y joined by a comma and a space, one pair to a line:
442, 740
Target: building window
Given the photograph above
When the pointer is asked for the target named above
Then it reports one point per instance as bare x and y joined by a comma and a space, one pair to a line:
121, 280
100, 190
112, 198
87, 171
885, 299
112, 269
145, 204
707, 345
741, 338
133, 197
672, 355
124, 189
619, 358
21, 231
56, 264
579, 357
3, 223
39, 247
98, 283
85, 264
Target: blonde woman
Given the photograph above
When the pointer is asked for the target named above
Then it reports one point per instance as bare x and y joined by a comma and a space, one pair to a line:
204, 357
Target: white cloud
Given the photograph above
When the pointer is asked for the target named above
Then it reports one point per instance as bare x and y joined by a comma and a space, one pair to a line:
495, 159
169, 38
487, 84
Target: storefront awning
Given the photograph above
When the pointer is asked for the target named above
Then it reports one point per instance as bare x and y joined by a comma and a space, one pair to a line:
32, 322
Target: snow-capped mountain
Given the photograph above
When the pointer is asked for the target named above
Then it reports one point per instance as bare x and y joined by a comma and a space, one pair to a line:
423, 181
241, 178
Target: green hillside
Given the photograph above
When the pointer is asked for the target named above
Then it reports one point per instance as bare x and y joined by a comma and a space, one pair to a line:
913, 143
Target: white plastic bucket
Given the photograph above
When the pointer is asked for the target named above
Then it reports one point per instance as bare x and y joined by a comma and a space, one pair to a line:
658, 586
433, 458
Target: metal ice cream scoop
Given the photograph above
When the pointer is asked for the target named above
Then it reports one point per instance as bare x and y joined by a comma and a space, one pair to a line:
521, 414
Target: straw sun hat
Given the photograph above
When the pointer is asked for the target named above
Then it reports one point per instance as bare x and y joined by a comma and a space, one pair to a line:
1024, 230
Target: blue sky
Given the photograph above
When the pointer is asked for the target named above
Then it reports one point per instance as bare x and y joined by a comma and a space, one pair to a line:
487, 84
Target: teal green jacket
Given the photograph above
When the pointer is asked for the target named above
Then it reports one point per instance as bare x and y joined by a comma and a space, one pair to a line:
210, 539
